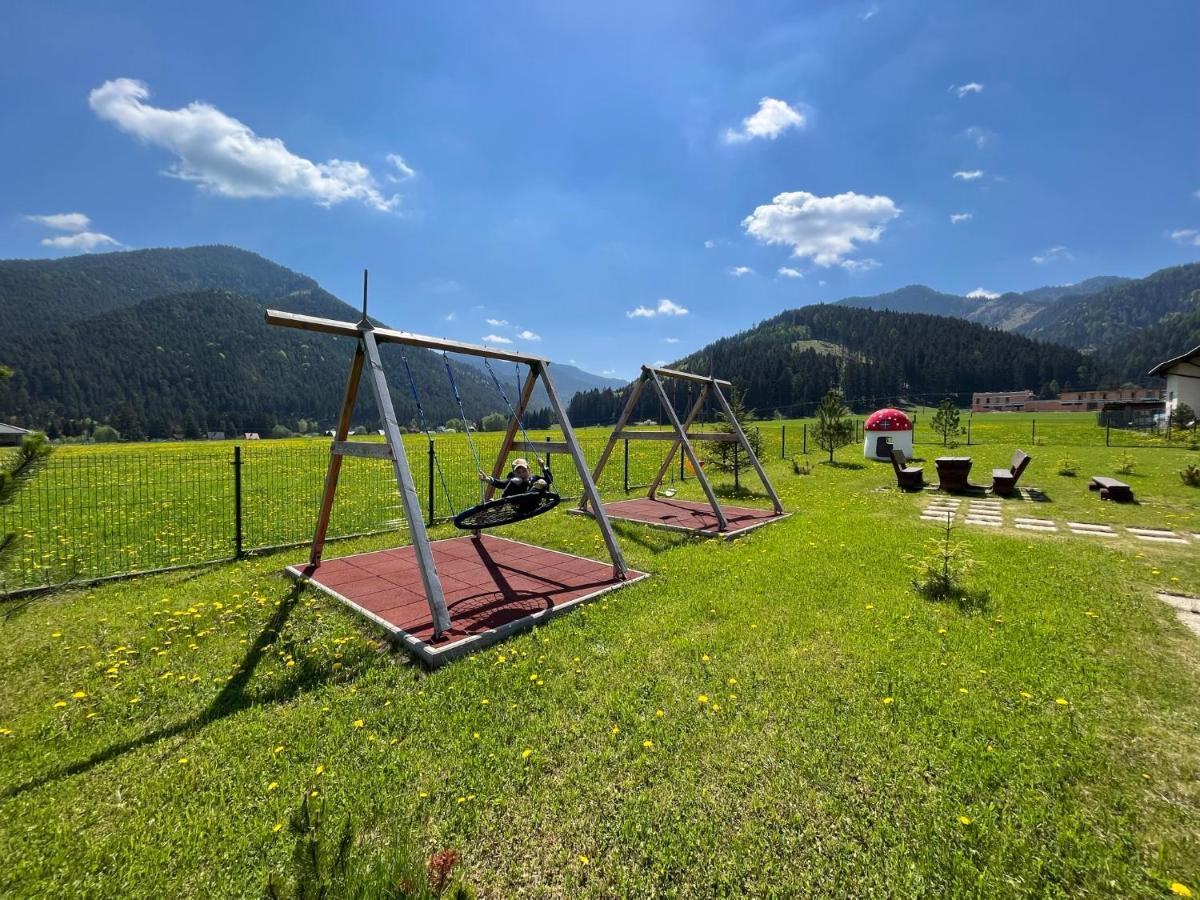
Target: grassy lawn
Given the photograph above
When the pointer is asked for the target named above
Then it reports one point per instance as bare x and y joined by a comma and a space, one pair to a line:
779, 714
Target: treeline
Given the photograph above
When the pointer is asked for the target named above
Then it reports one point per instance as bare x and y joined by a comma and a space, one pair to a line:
786, 364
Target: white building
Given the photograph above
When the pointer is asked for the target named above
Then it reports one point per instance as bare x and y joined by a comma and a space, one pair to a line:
1183, 380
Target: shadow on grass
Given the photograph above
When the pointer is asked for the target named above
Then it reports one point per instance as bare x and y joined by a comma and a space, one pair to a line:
966, 600
839, 464
656, 540
729, 492
232, 698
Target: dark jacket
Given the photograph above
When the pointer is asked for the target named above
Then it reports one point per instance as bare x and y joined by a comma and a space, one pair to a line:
512, 483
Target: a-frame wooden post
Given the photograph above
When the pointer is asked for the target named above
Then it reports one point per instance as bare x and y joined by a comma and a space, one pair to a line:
687, 423
722, 525
737, 428
335, 459
630, 404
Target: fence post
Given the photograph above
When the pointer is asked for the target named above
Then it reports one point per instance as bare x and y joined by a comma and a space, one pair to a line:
548, 453
431, 465
968, 431
681, 456
1107, 433
783, 442
805, 437
237, 502
627, 465
736, 484
1033, 435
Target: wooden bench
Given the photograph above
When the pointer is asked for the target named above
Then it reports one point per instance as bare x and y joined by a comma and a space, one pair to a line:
1111, 489
1004, 481
907, 477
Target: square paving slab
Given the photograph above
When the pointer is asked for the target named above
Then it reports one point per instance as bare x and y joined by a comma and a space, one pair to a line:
494, 587
689, 515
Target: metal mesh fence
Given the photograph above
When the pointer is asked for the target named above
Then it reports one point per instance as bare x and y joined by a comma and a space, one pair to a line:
75, 517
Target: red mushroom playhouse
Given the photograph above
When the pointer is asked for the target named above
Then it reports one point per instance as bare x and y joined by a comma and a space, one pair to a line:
887, 429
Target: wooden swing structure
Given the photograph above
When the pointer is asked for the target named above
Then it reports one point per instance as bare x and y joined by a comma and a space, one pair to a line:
494, 586
675, 514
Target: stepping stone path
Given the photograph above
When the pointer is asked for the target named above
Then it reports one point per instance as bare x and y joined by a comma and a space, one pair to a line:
985, 512
1035, 524
1187, 609
990, 513
938, 509
1092, 529
1156, 534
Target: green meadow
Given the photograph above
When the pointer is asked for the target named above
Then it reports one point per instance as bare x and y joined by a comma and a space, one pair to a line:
782, 714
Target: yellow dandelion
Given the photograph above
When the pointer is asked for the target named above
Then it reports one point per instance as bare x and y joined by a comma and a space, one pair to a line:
660, 713
963, 691
358, 723
1027, 695
1181, 889
870, 606
278, 827
705, 658
273, 785
60, 704
703, 698
79, 695
964, 820
733, 681
526, 753
887, 700
616, 730
183, 760
278, 749
319, 770
583, 859
648, 744
1061, 701
941, 631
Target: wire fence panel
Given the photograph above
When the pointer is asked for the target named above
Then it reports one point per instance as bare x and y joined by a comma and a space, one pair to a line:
76, 518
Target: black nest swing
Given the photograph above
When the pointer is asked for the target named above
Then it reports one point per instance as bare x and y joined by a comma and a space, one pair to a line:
501, 510
506, 510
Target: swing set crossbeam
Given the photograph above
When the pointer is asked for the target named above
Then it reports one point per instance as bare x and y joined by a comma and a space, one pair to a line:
541, 446
361, 449
391, 336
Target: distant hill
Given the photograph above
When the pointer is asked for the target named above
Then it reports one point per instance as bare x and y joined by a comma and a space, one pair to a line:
1094, 320
569, 380
1011, 311
1131, 356
157, 342
876, 356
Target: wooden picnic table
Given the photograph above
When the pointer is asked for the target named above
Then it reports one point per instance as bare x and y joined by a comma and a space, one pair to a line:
1110, 488
952, 472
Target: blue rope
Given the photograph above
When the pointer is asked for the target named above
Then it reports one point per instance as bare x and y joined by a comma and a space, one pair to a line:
503, 396
412, 384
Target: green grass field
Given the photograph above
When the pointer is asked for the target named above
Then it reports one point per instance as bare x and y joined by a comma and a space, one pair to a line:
781, 714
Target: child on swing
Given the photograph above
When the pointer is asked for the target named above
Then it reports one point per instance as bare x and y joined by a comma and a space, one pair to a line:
520, 480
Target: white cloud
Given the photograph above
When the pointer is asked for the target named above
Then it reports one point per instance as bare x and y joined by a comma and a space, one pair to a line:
496, 322
823, 229
982, 294
789, 272
971, 175
665, 308
73, 221
971, 87
495, 339
872, 12
981, 137
856, 266
772, 119
671, 340
226, 157
1196, 193
1186, 236
1052, 254
659, 363
709, 244
450, 316
82, 240
406, 171
739, 271
527, 335
955, 218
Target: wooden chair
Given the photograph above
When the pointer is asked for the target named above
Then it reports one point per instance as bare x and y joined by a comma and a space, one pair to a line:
1004, 481
907, 477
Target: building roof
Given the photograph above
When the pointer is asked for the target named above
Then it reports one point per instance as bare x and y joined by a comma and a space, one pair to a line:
1161, 369
13, 429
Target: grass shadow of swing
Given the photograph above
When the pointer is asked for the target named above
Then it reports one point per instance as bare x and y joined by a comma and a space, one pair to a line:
740, 492
656, 540
232, 698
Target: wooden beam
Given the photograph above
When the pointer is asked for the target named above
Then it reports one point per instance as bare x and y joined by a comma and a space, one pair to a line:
536, 446
510, 433
686, 376
362, 449
692, 415
391, 336
408, 489
682, 437
724, 437
335, 460
741, 435
626, 414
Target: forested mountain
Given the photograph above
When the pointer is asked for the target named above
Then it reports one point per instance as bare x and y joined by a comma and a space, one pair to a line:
1095, 320
1010, 311
788, 362
569, 380
1131, 356
130, 340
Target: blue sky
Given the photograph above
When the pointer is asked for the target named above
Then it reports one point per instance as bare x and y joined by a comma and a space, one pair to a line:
564, 169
